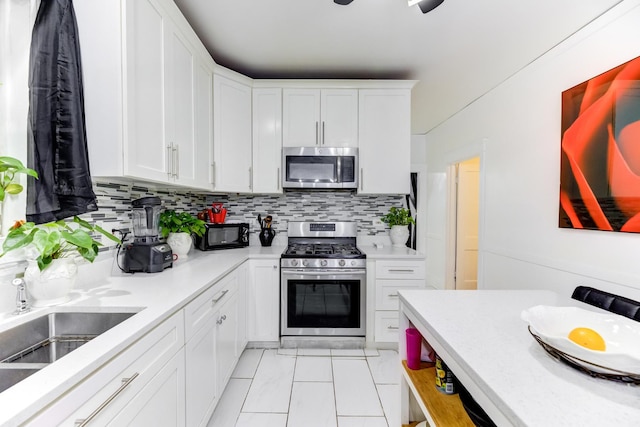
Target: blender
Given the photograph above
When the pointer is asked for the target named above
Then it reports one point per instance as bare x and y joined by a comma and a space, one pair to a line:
147, 253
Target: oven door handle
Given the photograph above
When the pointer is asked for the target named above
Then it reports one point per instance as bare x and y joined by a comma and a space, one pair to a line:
303, 272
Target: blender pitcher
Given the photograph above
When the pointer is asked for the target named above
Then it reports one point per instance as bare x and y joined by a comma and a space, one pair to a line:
145, 219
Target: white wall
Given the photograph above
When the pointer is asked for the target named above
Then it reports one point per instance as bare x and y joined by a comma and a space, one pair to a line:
516, 127
16, 21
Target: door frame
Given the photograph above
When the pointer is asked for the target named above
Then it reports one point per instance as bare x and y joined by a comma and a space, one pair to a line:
475, 149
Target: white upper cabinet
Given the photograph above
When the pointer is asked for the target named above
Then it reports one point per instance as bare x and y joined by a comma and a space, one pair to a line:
385, 141
267, 140
232, 135
320, 117
145, 137
339, 116
147, 84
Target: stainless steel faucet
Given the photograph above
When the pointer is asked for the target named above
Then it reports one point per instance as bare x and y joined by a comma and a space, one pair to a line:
22, 301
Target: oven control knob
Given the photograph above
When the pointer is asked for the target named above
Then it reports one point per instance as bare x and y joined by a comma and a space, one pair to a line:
294, 262
323, 263
342, 263
305, 262
353, 263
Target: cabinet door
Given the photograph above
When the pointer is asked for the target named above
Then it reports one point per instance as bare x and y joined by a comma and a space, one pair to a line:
179, 108
243, 284
267, 140
300, 117
263, 298
339, 114
201, 381
203, 125
226, 341
384, 141
232, 135
161, 402
146, 154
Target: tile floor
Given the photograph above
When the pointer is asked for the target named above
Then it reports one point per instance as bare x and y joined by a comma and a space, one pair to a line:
311, 387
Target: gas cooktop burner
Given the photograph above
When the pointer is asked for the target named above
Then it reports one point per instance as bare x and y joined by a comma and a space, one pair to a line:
322, 250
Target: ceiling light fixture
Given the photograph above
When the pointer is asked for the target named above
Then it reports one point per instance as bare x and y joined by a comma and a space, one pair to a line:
342, 2
425, 5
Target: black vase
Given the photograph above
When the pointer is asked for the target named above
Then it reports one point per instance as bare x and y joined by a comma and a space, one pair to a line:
266, 236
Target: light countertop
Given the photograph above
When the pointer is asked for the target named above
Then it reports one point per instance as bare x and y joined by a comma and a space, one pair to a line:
156, 296
388, 251
482, 338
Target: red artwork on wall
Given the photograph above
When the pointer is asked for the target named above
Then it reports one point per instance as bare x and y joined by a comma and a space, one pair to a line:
600, 166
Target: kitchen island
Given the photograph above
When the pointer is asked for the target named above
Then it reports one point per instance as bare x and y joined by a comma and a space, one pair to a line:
480, 336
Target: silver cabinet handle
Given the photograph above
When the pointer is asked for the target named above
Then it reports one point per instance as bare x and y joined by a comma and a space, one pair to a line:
221, 319
322, 132
401, 270
125, 384
213, 174
176, 164
361, 179
317, 137
392, 328
393, 295
215, 300
250, 178
169, 162
278, 179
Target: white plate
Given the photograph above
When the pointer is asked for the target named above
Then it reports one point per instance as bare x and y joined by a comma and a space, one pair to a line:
621, 335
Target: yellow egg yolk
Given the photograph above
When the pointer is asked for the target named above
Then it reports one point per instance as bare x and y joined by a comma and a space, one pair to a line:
588, 338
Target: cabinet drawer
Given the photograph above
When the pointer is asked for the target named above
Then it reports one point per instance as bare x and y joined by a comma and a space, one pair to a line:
386, 326
400, 269
114, 385
387, 292
198, 311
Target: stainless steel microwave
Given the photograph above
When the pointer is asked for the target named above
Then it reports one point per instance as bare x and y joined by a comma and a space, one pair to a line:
223, 236
320, 167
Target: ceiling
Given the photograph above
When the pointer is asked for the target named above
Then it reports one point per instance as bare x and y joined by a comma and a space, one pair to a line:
458, 51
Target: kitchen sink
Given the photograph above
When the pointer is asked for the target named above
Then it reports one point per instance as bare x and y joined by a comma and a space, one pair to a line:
26, 348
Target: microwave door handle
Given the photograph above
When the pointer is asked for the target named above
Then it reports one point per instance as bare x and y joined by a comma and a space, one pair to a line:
339, 167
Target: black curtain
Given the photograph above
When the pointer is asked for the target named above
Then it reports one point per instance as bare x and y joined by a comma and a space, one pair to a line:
57, 142
412, 204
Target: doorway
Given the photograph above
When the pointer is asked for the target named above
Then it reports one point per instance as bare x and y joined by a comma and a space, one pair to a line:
466, 220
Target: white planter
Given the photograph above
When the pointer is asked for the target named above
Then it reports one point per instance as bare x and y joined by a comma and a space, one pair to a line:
181, 244
53, 285
399, 235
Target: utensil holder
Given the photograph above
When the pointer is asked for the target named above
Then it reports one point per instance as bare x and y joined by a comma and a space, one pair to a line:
266, 236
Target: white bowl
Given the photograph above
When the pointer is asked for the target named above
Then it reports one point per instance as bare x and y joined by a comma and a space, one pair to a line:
621, 335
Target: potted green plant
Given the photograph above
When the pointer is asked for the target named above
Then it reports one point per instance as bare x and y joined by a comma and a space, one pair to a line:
177, 228
51, 250
398, 219
9, 167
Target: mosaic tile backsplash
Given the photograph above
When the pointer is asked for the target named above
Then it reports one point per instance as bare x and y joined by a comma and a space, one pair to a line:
114, 202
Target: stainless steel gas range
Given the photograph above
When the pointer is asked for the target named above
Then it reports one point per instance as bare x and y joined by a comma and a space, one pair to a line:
323, 281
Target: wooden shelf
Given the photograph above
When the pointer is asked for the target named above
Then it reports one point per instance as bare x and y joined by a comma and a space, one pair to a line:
445, 410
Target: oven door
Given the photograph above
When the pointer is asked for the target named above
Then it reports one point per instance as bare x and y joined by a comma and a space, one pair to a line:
319, 302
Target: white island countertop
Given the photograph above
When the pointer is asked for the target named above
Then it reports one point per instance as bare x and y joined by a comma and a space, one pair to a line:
155, 296
481, 337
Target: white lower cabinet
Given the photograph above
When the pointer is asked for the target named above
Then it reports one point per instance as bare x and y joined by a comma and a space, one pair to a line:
391, 276
226, 339
263, 301
142, 386
211, 348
